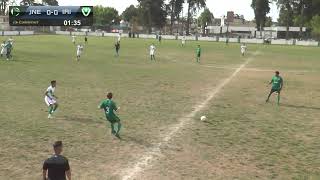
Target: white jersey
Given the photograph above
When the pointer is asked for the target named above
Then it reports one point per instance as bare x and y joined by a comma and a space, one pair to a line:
183, 40
3, 49
152, 49
49, 98
119, 37
10, 40
243, 48
50, 90
79, 50
73, 38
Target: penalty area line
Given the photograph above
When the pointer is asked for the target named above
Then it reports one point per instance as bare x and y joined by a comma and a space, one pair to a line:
152, 153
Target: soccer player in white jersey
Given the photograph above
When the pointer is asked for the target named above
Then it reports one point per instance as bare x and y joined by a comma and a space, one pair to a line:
50, 99
79, 51
183, 41
119, 38
152, 52
10, 40
74, 39
243, 49
3, 49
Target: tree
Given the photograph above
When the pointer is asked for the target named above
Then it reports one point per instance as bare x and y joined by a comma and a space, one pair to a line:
130, 13
205, 18
105, 16
152, 13
193, 6
26, 2
175, 8
3, 6
261, 9
50, 2
268, 22
286, 13
315, 24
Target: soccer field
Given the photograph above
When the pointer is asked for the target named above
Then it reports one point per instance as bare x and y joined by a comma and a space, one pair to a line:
161, 104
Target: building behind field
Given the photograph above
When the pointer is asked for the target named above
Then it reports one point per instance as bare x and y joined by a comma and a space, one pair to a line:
235, 25
4, 23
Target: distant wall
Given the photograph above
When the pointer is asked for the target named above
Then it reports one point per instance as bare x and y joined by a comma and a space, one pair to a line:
193, 38
207, 39
24, 33
282, 42
95, 34
307, 43
252, 41
16, 33
63, 32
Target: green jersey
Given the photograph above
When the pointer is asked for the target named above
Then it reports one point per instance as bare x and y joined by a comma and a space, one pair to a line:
198, 52
276, 82
8, 46
109, 107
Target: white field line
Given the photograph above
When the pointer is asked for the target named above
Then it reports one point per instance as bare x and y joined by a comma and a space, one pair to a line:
257, 69
148, 157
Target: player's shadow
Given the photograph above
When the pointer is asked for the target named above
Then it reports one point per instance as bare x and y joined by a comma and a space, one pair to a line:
135, 140
85, 120
24, 61
300, 107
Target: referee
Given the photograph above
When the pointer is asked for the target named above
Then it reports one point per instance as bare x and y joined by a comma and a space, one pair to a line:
57, 166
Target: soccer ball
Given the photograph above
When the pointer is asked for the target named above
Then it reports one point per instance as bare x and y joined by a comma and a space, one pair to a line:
203, 118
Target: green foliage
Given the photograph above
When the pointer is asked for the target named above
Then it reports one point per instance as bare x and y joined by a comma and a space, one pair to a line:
51, 2
174, 9
268, 22
26, 2
261, 9
152, 13
315, 24
130, 13
285, 17
105, 16
3, 6
205, 18
193, 6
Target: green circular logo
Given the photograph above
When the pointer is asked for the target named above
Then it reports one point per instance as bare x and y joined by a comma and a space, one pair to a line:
15, 11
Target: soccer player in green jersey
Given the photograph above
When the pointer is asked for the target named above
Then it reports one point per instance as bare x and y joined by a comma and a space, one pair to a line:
109, 106
117, 46
198, 53
9, 47
277, 85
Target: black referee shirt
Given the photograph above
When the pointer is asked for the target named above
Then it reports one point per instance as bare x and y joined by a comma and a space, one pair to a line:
57, 166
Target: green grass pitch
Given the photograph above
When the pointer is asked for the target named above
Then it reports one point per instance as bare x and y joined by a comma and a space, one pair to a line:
243, 137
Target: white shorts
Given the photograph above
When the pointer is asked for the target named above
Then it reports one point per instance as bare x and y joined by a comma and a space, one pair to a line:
3, 51
49, 101
78, 53
243, 51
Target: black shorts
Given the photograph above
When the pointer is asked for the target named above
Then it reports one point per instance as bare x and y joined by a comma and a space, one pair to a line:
275, 90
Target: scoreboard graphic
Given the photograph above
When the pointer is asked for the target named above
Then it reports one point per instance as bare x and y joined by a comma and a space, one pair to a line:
51, 15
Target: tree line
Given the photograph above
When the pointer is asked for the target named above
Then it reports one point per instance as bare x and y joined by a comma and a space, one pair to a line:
154, 13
